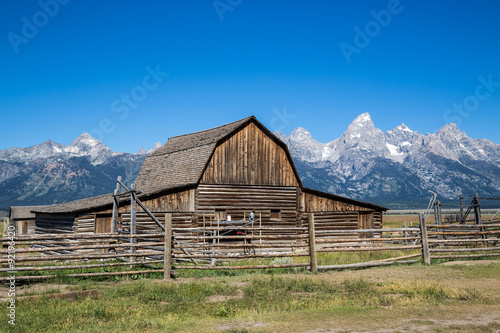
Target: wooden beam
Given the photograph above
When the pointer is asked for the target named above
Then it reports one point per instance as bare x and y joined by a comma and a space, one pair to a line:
312, 244
167, 257
425, 243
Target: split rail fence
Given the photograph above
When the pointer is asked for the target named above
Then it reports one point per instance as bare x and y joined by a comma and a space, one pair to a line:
234, 247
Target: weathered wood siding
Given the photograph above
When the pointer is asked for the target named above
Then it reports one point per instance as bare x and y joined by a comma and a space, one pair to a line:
54, 224
25, 226
250, 157
102, 223
329, 222
240, 200
84, 224
144, 223
377, 220
313, 203
182, 201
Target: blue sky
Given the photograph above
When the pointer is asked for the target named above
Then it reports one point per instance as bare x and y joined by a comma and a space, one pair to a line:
135, 72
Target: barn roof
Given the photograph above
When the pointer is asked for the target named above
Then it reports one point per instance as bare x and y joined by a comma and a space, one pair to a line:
23, 212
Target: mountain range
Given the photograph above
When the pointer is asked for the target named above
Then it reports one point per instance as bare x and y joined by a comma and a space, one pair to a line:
51, 173
400, 168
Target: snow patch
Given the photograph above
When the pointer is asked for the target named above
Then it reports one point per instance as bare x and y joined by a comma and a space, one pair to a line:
393, 150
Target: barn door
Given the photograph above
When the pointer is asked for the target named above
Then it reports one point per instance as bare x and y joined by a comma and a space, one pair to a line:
365, 221
102, 223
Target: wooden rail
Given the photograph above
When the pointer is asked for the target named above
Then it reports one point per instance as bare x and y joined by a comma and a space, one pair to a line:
207, 248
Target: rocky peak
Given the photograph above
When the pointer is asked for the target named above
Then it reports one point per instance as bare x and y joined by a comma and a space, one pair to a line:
362, 133
300, 142
402, 136
363, 119
300, 134
155, 146
143, 151
85, 140
280, 136
450, 130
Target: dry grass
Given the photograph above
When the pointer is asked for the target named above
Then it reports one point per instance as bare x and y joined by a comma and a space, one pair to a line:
437, 298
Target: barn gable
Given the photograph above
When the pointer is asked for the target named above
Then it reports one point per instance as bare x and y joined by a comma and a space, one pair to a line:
251, 156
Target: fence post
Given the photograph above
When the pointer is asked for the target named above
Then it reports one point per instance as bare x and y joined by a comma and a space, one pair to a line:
477, 216
425, 240
461, 207
6, 224
167, 257
404, 233
312, 244
439, 217
132, 221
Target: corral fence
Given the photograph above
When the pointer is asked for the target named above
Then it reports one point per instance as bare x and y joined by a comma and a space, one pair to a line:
463, 235
239, 246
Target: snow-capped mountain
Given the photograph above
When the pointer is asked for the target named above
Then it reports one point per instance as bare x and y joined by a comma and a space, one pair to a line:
52, 173
398, 168
398, 165
83, 146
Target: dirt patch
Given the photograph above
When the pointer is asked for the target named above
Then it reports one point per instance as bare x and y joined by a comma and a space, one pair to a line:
312, 294
34, 289
470, 323
247, 325
240, 284
221, 298
469, 262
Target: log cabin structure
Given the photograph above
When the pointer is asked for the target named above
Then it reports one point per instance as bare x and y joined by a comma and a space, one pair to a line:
23, 219
228, 170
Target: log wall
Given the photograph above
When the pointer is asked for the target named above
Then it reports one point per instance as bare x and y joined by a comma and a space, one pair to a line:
240, 200
250, 157
174, 202
84, 224
331, 222
312, 203
54, 224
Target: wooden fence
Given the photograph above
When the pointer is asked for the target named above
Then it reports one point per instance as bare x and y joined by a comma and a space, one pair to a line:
232, 247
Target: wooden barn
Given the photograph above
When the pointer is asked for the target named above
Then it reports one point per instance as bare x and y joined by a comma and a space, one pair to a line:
23, 219
228, 170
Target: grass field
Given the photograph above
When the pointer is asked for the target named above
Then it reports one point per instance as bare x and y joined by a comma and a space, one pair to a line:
438, 298
443, 297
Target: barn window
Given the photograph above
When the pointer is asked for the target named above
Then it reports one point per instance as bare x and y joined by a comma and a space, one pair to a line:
275, 214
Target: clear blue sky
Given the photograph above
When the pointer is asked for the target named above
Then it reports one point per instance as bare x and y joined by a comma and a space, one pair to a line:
68, 69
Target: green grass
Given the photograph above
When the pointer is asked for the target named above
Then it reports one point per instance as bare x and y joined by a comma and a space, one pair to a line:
184, 306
